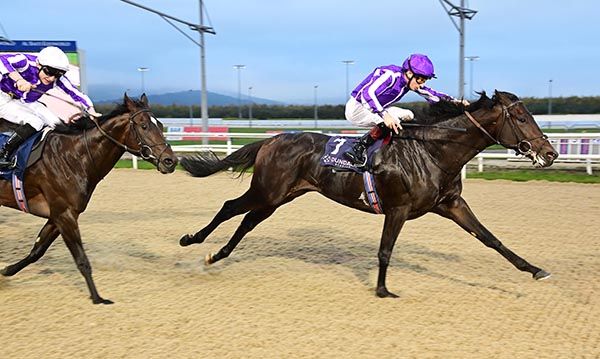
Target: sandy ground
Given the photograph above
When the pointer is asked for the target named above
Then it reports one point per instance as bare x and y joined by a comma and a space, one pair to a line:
301, 285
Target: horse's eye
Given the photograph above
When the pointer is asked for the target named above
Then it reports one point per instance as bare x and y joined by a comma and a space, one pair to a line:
144, 126
521, 119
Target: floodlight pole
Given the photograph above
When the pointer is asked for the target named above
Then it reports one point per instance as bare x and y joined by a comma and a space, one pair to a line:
471, 59
239, 78
142, 70
201, 30
347, 63
250, 106
463, 13
550, 97
316, 106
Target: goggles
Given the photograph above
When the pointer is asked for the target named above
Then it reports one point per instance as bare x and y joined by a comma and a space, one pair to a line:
420, 79
51, 71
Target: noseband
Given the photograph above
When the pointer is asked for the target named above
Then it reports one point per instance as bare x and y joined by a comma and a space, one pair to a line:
522, 147
144, 150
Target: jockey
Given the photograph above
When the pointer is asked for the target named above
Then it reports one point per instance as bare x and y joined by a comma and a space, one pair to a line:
18, 104
370, 102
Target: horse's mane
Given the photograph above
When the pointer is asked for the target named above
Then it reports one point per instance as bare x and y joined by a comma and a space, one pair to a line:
444, 110
85, 123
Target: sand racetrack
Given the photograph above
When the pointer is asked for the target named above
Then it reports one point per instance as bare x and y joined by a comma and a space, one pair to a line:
302, 283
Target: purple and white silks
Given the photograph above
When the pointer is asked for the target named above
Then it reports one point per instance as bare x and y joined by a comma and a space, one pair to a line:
386, 85
26, 65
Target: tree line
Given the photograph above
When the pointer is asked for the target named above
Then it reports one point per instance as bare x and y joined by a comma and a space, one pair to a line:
537, 106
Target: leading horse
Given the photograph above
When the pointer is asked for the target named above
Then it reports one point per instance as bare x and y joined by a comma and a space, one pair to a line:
416, 174
60, 185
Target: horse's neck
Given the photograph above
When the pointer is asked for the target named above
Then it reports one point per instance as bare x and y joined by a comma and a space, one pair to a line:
453, 153
102, 152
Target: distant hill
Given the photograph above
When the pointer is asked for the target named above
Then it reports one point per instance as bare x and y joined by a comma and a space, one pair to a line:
105, 94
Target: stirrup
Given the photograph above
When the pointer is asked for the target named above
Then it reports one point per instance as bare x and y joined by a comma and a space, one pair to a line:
9, 165
356, 161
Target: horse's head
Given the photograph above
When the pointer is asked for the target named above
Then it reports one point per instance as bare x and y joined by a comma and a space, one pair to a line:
146, 138
516, 129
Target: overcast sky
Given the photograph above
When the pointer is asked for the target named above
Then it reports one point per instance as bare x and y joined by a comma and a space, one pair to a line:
289, 46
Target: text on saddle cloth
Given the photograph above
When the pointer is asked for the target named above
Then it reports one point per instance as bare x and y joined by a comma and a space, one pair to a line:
336, 146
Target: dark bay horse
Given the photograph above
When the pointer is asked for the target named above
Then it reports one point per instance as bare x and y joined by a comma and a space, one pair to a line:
76, 158
416, 174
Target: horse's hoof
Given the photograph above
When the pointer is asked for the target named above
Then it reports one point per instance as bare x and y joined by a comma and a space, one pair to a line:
384, 293
102, 301
6, 272
208, 260
541, 275
185, 240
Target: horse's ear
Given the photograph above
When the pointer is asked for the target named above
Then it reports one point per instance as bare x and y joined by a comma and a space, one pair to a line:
144, 99
128, 102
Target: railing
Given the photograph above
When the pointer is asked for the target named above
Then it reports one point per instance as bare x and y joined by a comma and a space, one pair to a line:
577, 149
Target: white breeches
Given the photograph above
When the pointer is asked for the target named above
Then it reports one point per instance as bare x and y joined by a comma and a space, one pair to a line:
34, 113
361, 115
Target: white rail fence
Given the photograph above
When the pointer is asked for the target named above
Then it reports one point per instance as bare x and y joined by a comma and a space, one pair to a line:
576, 150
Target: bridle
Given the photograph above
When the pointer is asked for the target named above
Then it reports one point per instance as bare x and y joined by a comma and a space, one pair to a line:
145, 151
522, 147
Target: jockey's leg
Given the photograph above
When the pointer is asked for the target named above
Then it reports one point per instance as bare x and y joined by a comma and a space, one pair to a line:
360, 115
21, 134
43, 113
358, 153
22, 114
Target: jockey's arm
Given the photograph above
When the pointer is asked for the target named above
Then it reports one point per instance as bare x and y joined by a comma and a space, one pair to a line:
73, 92
433, 96
20, 82
10, 66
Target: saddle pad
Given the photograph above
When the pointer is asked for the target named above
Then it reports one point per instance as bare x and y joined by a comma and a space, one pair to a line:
336, 147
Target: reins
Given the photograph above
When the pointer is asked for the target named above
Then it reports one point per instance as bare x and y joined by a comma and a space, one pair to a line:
523, 146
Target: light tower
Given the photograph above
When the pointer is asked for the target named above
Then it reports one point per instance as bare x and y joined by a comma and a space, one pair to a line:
463, 13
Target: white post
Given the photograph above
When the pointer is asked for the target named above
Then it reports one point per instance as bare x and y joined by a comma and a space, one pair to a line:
463, 172
588, 166
229, 146
134, 160
479, 164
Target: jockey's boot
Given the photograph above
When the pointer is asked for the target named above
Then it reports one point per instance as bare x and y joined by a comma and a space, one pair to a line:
22, 133
358, 153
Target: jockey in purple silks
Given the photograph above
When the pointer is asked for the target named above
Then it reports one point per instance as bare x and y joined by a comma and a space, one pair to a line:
18, 104
370, 104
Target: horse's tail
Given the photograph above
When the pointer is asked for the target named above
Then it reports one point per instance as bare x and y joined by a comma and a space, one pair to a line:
207, 163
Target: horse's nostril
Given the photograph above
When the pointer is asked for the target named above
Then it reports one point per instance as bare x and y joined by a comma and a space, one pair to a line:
553, 155
169, 162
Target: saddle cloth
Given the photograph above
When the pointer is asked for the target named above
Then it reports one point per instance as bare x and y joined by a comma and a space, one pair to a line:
333, 156
336, 147
17, 174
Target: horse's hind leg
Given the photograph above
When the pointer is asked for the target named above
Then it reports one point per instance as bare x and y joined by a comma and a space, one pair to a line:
47, 235
251, 220
230, 209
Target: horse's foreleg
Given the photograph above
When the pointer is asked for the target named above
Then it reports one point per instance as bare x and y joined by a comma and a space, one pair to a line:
394, 220
47, 235
251, 220
230, 209
458, 211
67, 224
